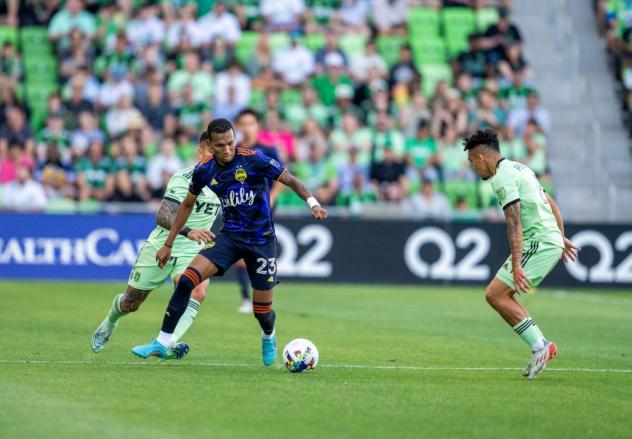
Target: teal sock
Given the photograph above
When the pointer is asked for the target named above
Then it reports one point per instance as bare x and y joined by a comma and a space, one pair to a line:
186, 320
529, 332
115, 312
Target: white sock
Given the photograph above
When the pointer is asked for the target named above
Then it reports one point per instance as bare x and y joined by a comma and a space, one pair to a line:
164, 339
268, 337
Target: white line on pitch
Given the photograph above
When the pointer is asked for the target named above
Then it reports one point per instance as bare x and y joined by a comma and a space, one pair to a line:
339, 366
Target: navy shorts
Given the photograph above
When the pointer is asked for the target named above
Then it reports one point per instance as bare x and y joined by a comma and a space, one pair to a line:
260, 259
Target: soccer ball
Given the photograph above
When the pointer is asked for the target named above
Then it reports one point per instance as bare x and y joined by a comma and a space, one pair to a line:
300, 355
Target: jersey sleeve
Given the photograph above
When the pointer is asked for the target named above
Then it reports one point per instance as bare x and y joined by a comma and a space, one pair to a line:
177, 188
505, 187
268, 166
198, 180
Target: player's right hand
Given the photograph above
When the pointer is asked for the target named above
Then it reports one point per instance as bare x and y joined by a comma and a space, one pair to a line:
521, 283
201, 236
163, 256
319, 213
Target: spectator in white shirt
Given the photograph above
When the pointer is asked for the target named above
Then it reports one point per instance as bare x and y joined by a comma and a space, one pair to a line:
220, 23
519, 117
146, 28
162, 166
233, 78
362, 64
295, 64
24, 193
390, 16
185, 32
353, 15
116, 85
282, 15
428, 204
123, 117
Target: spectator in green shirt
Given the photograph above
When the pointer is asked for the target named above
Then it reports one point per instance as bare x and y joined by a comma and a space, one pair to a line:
192, 115
325, 84
131, 173
535, 141
68, 18
361, 194
515, 95
94, 174
422, 148
200, 79
10, 66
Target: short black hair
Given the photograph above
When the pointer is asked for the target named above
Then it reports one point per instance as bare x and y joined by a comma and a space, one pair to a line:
248, 112
204, 137
218, 126
486, 137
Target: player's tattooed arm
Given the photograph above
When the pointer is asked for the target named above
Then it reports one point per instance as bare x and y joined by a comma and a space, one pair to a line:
570, 249
167, 213
514, 234
301, 190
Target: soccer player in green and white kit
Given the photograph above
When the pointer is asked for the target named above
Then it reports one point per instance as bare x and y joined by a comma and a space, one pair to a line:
536, 238
146, 275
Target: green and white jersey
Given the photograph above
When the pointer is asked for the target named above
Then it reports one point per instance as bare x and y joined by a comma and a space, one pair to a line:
515, 182
207, 207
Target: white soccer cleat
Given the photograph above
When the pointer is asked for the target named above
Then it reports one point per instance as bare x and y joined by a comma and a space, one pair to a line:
540, 359
102, 335
246, 307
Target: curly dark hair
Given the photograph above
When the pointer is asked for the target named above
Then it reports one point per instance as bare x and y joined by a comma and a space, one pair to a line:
486, 137
218, 126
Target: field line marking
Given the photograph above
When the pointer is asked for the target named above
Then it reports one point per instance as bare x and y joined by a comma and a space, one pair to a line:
339, 366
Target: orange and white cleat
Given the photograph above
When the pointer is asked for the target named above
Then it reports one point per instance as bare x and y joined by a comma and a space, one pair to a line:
540, 359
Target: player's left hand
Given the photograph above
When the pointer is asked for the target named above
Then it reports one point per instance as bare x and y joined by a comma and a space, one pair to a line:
319, 213
570, 251
201, 236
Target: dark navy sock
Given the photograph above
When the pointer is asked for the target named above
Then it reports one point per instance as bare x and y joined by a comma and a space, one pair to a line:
179, 301
244, 282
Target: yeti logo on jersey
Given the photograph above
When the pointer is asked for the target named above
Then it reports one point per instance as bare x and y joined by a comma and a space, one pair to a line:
501, 195
237, 198
240, 175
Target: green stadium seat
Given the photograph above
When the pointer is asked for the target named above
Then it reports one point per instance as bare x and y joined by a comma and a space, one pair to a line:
486, 194
486, 17
89, 206
60, 206
37, 94
456, 45
40, 69
428, 51
388, 46
246, 46
431, 74
458, 22
352, 44
257, 99
314, 41
466, 189
423, 22
279, 41
35, 41
8, 33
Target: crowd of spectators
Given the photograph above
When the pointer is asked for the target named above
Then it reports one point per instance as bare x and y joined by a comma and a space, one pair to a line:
139, 80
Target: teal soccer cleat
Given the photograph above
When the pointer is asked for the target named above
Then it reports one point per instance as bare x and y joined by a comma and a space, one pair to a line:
268, 349
155, 349
102, 335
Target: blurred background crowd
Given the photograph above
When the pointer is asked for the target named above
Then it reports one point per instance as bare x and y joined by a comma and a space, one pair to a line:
367, 101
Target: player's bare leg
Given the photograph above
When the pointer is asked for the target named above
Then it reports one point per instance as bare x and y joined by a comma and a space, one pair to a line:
501, 297
262, 308
196, 273
123, 304
244, 286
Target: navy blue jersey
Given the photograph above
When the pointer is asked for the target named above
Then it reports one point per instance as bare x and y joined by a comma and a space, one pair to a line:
243, 189
268, 151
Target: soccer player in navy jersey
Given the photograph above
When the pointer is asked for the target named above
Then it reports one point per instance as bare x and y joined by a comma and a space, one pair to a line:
247, 124
239, 177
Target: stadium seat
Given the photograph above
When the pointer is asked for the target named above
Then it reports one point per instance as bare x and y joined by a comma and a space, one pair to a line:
278, 41
352, 44
246, 46
431, 74
423, 22
40, 69
388, 46
37, 94
60, 205
8, 33
486, 17
35, 41
428, 51
458, 24
486, 194
314, 41
466, 189
257, 99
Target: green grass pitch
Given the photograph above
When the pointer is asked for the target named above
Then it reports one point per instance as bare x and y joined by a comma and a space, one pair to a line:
427, 362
